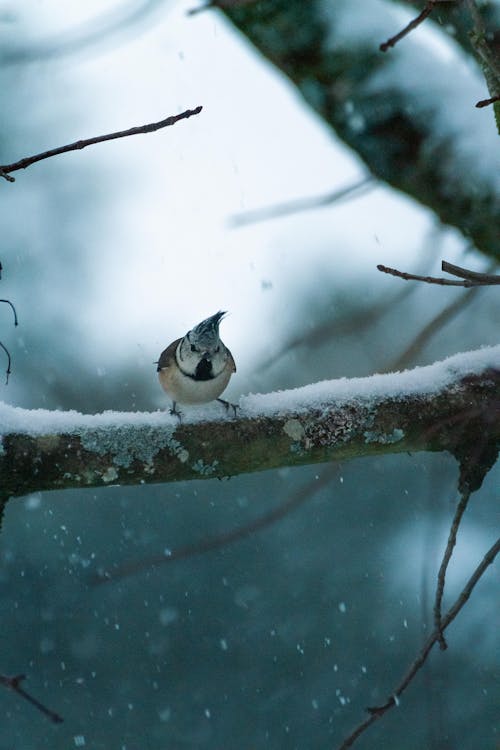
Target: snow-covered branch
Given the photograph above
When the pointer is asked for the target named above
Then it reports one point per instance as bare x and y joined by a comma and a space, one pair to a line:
410, 114
452, 405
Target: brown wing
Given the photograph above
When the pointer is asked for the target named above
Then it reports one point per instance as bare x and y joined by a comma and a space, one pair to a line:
167, 355
230, 361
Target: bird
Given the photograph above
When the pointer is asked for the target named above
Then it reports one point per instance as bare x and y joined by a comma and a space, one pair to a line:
196, 368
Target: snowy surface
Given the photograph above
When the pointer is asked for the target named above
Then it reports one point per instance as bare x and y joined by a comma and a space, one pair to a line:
421, 380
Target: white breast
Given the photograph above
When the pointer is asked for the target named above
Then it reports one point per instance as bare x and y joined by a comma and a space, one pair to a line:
185, 390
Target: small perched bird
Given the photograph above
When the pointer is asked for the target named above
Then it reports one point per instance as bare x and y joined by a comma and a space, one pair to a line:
196, 368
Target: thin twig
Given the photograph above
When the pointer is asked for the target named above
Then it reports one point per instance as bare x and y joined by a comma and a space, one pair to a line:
6, 176
417, 277
409, 27
2, 346
472, 280
377, 712
304, 204
14, 683
8, 370
468, 278
452, 540
221, 540
466, 273
8, 302
78, 145
486, 102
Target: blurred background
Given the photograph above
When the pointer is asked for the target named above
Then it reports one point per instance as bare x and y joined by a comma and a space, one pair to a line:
281, 639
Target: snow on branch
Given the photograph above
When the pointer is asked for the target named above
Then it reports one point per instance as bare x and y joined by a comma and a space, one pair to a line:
452, 405
409, 115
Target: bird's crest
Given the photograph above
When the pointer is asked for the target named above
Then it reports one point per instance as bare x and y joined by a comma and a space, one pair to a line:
208, 329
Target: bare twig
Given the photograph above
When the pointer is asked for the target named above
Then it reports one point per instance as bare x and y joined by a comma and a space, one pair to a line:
8, 302
466, 273
14, 683
409, 27
353, 190
468, 278
8, 370
452, 540
149, 128
377, 712
417, 277
2, 346
486, 102
221, 540
6, 176
471, 280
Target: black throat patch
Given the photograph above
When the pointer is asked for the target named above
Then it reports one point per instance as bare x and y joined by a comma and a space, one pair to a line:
203, 370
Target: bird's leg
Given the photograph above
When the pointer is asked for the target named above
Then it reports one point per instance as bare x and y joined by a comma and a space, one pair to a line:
228, 404
175, 410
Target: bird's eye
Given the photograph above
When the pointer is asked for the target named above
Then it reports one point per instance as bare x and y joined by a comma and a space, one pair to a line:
193, 348
217, 350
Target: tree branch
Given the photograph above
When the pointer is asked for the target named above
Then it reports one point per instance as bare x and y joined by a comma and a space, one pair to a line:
9, 362
468, 278
2, 346
487, 56
452, 540
446, 406
412, 130
379, 711
5, 169
14, 683
413, 24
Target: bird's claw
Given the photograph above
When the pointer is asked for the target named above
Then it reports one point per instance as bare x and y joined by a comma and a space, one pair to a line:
175, 411
228, 405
